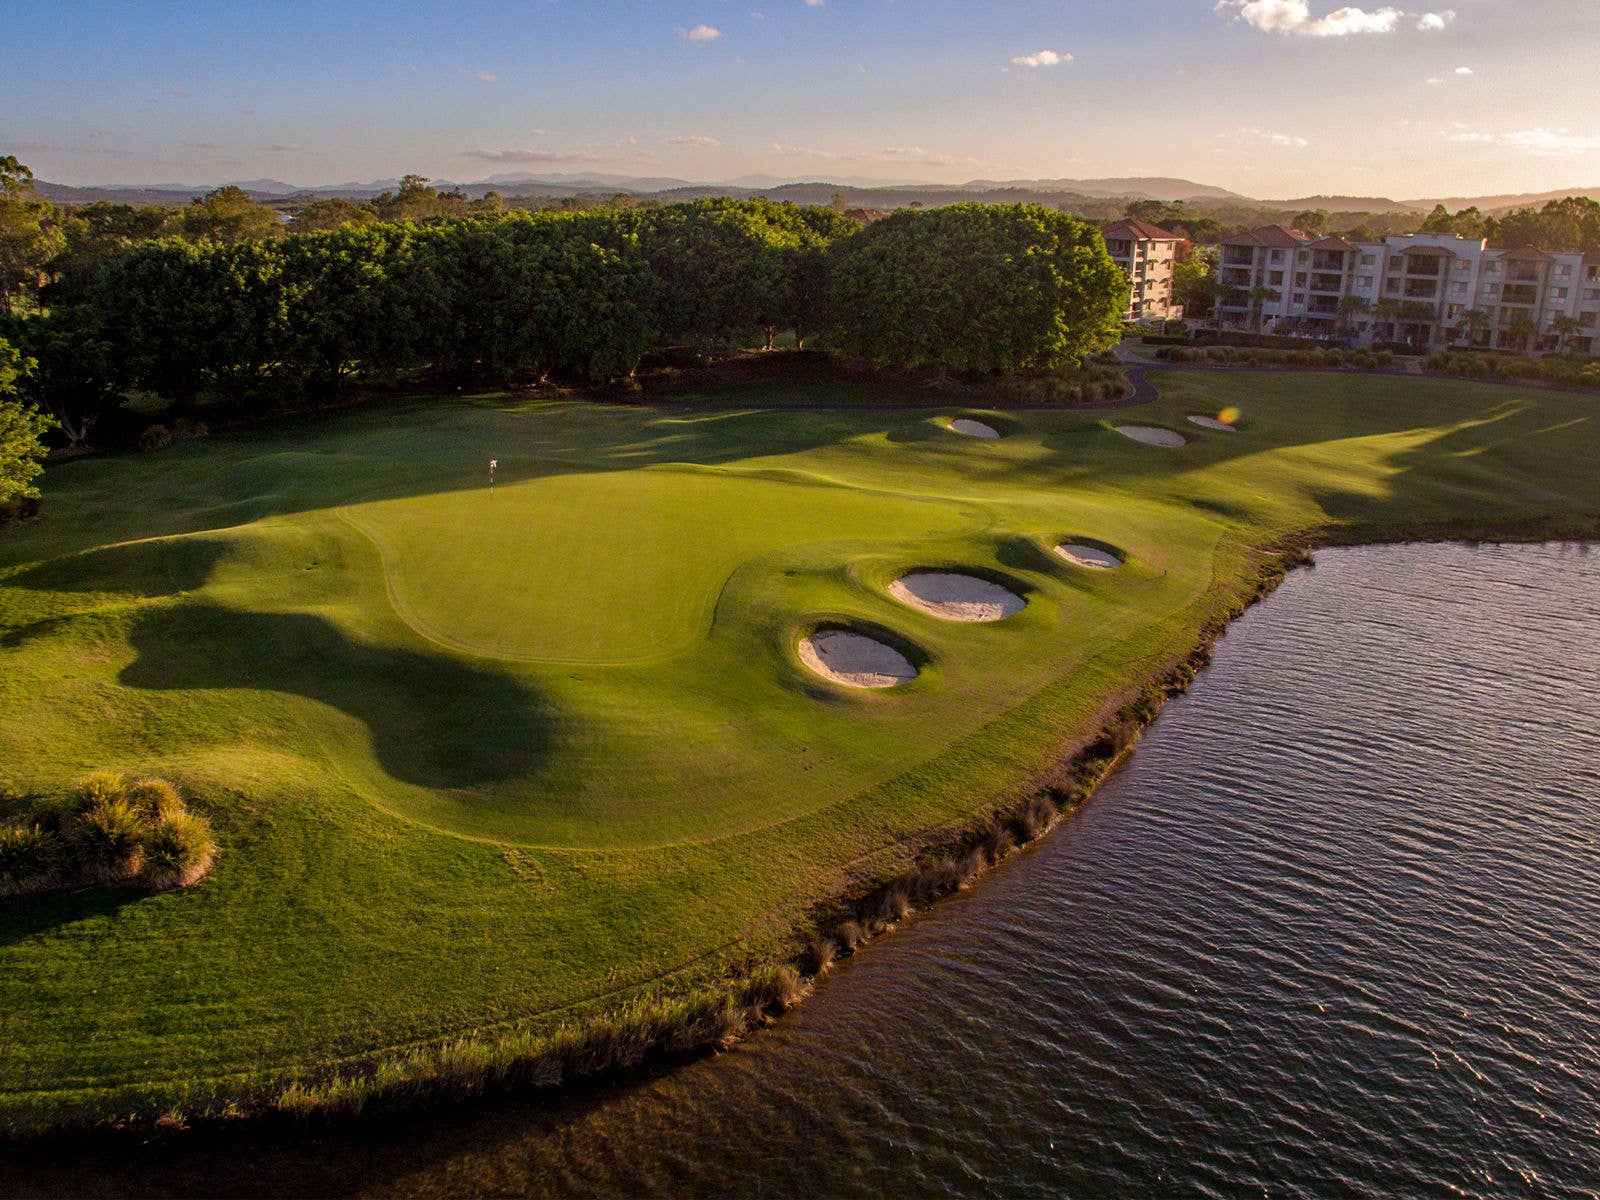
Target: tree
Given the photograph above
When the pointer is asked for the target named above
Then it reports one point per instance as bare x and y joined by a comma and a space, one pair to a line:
22, 431
73, 377
1194, 283
1389, 312
30, 234
1563, 327
1351, 307
94, 235
1470, 323
1311, 221
1260, 297
977, 288
1522, 331
227, 215
333, 212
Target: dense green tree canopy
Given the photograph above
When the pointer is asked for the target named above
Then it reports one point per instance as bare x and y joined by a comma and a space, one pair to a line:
22, 430
976, 288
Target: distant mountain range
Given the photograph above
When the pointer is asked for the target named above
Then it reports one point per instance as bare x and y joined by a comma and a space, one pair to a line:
858, 192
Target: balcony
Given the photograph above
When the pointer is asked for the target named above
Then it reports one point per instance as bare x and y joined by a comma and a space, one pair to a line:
1422, 289
1525, 275
1427, 267
1238, 256
1327, 283
1328, 260
1520, 294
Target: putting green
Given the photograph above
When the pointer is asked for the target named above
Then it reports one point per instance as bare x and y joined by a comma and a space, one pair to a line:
481, 762
610, 568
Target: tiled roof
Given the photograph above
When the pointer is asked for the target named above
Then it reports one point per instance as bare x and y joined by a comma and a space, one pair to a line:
1333, 243
1440, 250
1276, 237
1141, 231
1526, 254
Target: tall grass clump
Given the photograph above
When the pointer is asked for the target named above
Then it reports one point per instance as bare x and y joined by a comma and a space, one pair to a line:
107, 831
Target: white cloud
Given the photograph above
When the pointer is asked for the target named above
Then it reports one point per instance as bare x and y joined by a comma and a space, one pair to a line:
1294, 17
283, 148
700, 33
1463, 71
814, 3
529, 156
1538, 142
1271, 137
1041, 58
480, 76
693, 139
904, 155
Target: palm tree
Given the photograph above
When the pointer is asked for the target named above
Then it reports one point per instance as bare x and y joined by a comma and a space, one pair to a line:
1351, 307
1259, 297
1522, 331
1470, 323
1563, 327
1389, 310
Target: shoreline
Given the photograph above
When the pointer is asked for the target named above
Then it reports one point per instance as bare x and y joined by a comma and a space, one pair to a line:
615, 1041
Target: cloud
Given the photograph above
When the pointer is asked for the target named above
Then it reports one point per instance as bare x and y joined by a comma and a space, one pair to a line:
177, 93
1463, 71
700, 33
1538, 142
1270, 137
693, 139
529, 156
1435, 80
904, 155
1040, 58
814, 3
1293, 17
480, 76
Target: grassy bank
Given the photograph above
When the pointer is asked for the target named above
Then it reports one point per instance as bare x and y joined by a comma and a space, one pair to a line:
488, 768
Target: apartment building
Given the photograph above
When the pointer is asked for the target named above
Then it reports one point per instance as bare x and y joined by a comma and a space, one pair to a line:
1146, 254
1427, 289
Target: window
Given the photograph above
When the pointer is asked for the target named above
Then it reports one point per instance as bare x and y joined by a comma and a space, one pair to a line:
1587, 319
1458, 287
1591, 295
1563, 270
1492, 268
1299, 279
1277, 256
1491, 290
1275, 279
1368, 260
1300, 298
1363, 283
1559, 295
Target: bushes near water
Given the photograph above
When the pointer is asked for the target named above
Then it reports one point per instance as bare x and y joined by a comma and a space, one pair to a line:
108, 832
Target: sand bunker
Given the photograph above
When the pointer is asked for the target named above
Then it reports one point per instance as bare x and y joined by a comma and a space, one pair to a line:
975, 429
1088, 556
1211, 423
855, 660
1152, 435
956, 597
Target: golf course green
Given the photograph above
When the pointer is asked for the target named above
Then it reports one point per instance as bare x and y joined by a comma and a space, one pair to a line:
493, 759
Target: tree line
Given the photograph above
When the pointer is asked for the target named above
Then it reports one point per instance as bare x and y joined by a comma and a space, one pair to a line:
264, 325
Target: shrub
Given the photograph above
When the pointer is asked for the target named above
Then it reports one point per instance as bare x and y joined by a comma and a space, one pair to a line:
154, 437
154, 798
107, 837
178, 849
100, 788
29, 858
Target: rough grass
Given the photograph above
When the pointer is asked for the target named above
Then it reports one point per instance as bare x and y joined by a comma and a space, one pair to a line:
471, 847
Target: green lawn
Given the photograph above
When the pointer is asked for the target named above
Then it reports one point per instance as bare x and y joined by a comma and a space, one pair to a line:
480, 759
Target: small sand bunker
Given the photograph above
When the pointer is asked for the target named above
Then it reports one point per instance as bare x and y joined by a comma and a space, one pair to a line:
1152, 435
1088, 556
855, 660
1211, 423
977, 429
956, 597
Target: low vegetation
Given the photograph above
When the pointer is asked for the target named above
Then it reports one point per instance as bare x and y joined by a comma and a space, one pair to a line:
107, 832
1563, 371
1250, 356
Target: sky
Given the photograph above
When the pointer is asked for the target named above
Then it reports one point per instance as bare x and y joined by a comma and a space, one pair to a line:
1270, 98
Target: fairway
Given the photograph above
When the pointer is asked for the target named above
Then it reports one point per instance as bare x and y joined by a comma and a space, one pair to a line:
483, 759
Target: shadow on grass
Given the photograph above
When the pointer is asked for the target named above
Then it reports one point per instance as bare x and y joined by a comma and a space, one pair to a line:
162, 567
434, 721
23, 917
